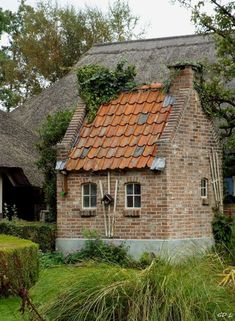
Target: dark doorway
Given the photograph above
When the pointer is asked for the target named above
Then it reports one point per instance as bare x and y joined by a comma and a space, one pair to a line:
24, 198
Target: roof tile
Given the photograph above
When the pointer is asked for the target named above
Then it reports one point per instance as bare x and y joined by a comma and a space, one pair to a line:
124, 133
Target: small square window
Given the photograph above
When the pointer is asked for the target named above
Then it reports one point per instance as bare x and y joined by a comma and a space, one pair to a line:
204, 188
89, 195
133, 195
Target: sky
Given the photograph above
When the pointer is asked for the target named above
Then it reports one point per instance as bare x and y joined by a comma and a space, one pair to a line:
161, 18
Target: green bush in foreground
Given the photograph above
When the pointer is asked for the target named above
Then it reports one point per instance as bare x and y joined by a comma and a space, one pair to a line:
38, 232
99, 250
18, 264
164, 292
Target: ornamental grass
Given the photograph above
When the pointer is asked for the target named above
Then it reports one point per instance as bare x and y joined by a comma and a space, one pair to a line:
164, 291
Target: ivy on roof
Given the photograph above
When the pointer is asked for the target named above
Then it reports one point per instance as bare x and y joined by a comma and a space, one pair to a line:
98, 84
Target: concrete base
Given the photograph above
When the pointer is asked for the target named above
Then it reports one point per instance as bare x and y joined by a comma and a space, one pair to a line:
166, 248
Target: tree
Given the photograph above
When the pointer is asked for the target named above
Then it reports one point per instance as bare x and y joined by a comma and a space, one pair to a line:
217, 91
51, 133
48, 40
7, 95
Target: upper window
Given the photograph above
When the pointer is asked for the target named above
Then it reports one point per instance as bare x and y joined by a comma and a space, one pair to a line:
133, 195
204, 188
89, 195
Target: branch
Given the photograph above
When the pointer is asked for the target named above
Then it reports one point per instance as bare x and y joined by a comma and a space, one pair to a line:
224, 10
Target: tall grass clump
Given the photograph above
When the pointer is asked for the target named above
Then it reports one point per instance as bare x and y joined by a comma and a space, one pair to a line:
187, 291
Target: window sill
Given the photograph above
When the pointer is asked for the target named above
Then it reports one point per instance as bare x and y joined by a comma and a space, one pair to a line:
205, 202
84, 213
88, 213
132, 212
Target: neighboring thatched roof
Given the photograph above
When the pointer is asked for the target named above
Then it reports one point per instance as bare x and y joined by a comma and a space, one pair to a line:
17, 149
150, 57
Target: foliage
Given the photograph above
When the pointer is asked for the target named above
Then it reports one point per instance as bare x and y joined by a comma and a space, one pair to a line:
99, 250
9, 212
5, 20
50, 259
51, 133
185, 291
222, 229
9, 309
98, 84
47, 40
217, 91
18, 264
40, 233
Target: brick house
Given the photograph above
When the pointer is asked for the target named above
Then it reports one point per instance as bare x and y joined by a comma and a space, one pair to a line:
146, 171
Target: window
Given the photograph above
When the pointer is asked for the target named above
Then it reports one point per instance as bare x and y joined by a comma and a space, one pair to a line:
204, 188
133, 195
89, 195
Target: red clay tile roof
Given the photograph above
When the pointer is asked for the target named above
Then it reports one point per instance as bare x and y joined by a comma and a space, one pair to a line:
124, 133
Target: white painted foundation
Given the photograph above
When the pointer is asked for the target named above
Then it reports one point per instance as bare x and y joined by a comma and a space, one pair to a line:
174, 248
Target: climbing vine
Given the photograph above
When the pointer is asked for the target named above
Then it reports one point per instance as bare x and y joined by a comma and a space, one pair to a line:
98, 84
51, 132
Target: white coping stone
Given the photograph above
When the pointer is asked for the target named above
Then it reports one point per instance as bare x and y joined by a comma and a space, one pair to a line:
170, 248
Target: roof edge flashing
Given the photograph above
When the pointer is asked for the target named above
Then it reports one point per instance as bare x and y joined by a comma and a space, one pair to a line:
159, 164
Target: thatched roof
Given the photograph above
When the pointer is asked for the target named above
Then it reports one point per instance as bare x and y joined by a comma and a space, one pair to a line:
150, 57
17, 149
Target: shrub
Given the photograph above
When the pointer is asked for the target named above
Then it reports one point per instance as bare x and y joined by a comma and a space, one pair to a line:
19, 267
50, 259
99, 250
222, 229
163, 291
41, 233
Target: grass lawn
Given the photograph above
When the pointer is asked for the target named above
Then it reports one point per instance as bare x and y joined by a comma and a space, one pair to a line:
9, 310
51, 283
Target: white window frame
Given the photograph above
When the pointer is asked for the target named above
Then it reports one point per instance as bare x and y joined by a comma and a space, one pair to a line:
204, 188
89, 195
133, 195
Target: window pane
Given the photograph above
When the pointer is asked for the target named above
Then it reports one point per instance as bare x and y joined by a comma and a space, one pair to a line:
93, 189
203, 183
137, 201
129, 188
86, 201
129, 201
137, 189
93, 201
86, 189
204, 187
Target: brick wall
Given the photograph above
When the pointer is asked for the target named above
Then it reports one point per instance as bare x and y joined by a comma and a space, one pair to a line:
148, 222
190, 144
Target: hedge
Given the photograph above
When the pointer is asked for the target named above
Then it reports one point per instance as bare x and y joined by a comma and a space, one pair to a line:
42, 233
19, 266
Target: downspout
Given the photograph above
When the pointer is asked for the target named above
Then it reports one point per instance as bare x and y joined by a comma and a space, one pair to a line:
109, 219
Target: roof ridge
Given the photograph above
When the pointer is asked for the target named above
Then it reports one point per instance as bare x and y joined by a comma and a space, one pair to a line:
150, 39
